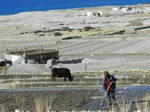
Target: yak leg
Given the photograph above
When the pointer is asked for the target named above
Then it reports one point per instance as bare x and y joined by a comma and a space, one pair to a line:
53, 79
65, 79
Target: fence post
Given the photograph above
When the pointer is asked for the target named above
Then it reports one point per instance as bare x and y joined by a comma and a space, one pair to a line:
85, 68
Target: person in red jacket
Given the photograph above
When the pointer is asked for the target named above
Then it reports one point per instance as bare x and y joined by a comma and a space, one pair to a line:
109, 84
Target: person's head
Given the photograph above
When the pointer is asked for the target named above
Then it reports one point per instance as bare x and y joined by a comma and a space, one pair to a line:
106, 74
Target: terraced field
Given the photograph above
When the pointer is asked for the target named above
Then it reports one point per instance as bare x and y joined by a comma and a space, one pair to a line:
81, 80
85, 47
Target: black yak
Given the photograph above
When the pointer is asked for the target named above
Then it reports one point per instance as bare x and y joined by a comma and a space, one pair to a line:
61, 72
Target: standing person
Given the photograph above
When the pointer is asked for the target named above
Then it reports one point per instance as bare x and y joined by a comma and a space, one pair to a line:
109, 84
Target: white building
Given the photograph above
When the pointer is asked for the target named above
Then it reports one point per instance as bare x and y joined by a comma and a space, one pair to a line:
122, 8
98, 13
115, 8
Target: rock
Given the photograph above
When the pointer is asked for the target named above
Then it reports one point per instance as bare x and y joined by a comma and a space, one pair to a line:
50, 63
17, 110
125, 87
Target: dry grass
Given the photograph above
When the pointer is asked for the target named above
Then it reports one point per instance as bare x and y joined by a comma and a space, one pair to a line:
141, 15
83, 79
141, 105
4, 70
136, 23
39, 104
20, 103
42, 104
144, 105
124, 107
2, 108
144, 31
124, 81
77, 32
15, 85
133, 73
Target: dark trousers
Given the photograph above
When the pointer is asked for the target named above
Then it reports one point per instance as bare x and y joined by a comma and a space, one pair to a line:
111, 96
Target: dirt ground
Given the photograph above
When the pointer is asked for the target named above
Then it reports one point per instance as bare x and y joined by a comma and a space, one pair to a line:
73, 99
56, 100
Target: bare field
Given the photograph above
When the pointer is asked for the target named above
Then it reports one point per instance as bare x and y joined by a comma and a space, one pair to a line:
29, 30
95, 46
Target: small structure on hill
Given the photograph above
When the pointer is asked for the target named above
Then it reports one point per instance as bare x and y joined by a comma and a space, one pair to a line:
123, 8
37, 55
98, 13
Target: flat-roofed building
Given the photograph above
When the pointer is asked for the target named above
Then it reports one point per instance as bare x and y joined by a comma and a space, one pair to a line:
98, 13
38, 55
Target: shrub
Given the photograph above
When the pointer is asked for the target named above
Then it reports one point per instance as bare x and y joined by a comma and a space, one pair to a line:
42, 35
87, 28
57, 34
136, 23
